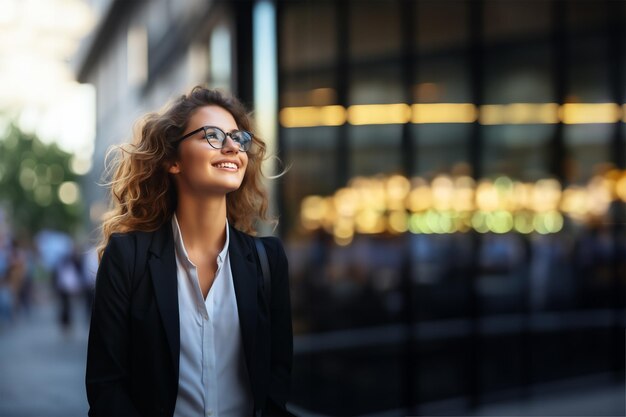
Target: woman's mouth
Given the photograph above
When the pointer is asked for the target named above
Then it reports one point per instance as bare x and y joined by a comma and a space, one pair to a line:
231, 166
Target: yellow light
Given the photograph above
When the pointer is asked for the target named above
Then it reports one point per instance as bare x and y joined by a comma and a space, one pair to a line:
620, 187
343, 231
523, 222
546, 195
548, 222
479, 222
577, 113
398, 188
599, 195
369, 221
444, 113
499, 221
463, 199
447, 222
442, 192
310, 116
574, 202
370, 114
420, 199
553, 221
346, 201
418, 224
519, 113
504, 188
312, 211
464, 221
372, 194
523, 195
414, 223
397, 222
343, 241
487, 196
432, 220
539, 224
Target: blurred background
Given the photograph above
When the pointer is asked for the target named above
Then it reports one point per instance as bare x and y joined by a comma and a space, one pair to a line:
453, 209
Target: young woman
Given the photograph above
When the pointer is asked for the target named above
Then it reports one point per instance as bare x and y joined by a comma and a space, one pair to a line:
181, 323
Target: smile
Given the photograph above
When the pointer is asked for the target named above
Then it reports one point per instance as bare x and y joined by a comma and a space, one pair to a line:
226, 165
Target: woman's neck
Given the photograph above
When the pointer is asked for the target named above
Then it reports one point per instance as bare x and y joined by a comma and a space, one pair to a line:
202, 223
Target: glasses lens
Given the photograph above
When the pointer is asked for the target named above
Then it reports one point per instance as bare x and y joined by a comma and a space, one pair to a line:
243, 138
215, 137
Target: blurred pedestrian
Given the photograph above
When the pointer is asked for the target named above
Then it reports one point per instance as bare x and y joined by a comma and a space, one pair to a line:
6, 294
181, 323
68, 284
13, 281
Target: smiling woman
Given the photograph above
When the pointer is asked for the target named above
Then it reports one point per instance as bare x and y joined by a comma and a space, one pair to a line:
179, 271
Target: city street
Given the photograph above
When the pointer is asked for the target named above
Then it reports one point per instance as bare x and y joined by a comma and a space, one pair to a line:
42, 369
42, 374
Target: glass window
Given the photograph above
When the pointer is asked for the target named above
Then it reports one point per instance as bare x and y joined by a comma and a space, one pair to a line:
587, 144
584, 15
309, 39
441, 148
587, 149
374, 29
588, 69
375, 149
505, 20
315, 88
441, 25
311, 157
517, 151
519, 73
376, 85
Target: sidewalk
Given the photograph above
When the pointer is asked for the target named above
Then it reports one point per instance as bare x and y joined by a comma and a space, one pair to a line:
42, 370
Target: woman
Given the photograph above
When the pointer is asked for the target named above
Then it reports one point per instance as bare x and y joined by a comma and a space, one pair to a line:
181, 323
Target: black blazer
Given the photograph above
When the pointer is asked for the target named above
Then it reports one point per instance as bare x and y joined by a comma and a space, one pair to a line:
134, 339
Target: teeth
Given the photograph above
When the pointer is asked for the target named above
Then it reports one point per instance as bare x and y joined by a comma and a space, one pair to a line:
226, 165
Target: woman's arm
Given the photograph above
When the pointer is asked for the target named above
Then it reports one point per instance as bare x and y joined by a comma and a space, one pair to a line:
107, 378
282, 335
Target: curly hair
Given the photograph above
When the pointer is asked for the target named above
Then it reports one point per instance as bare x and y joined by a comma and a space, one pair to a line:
142, 192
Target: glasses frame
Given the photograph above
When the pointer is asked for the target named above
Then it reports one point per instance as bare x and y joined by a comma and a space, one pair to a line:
226, 135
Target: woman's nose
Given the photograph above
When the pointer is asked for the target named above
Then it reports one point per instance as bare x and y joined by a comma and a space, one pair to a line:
230, 145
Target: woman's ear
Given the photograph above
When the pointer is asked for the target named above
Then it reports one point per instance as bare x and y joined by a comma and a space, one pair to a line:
173, 167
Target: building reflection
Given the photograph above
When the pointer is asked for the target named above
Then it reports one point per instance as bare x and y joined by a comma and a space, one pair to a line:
454, 208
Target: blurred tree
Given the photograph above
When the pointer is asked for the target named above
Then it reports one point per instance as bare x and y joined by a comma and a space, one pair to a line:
38, 189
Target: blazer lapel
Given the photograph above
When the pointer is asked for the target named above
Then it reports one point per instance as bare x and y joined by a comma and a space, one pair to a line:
246, 283
163, 271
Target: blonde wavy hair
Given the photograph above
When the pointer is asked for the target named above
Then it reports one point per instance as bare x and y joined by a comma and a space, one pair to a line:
142, 192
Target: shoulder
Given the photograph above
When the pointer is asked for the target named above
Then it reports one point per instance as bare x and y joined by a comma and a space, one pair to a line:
273, 245
123, 247
276, 254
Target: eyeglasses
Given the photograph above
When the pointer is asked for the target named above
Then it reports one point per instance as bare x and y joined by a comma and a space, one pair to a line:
216, 137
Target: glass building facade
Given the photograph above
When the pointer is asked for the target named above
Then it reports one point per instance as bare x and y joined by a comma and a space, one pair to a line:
427, 100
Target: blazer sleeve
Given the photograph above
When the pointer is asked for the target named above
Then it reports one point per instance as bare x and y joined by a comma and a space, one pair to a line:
107, 376
281, 330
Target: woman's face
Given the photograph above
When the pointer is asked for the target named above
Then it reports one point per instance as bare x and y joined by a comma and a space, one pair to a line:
201, 169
